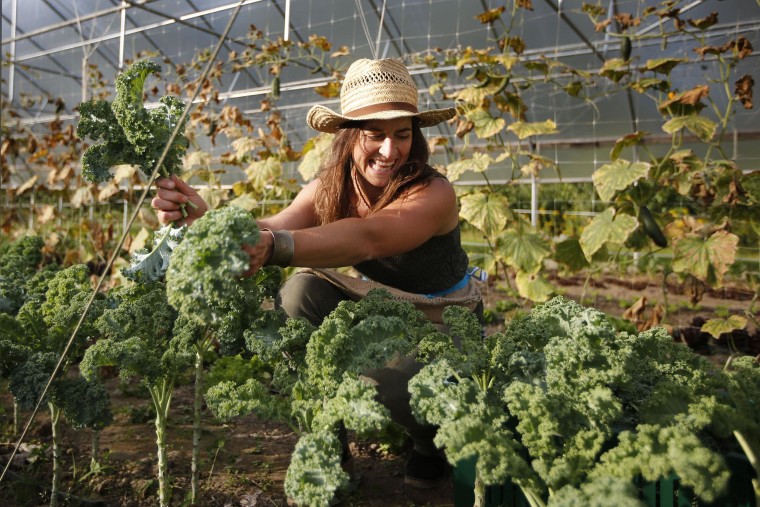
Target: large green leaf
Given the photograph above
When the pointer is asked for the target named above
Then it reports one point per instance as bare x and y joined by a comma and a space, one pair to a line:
611, 178
706, 259
478, 163
570, 253
533, 287
719, 326
486, 211
485, 125
702, 127
526, 129
606, 227
523, 249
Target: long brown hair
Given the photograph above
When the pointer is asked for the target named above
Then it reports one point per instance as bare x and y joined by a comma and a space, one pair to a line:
334, 196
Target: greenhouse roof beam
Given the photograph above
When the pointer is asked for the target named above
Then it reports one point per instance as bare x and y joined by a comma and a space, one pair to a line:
63, 24
77, 29
590, 45
182, 20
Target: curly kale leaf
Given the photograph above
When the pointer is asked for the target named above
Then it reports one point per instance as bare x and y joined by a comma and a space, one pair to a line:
315, 474
149, 266
654, 451
28, 380
470, 425
599, 492
206, 267
228, 400
131, 134
463, 343
85, 404
356, 405
18, 264
68, 292
139, 336
14, 348
97, 121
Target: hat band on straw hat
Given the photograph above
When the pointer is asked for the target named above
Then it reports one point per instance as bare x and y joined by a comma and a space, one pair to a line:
385, 106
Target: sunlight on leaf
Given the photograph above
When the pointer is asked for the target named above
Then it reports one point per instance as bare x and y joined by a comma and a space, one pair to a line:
478, 163
312, 159
523, 250
619, 175
213, 196
526, 129
486, 211
485, 125
702, 127
606, 228
719, 326
533, 287
708, 259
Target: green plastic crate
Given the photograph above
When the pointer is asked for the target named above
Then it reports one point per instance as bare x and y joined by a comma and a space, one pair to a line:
666, 492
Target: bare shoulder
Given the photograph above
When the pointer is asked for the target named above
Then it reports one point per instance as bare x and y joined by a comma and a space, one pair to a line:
439, 189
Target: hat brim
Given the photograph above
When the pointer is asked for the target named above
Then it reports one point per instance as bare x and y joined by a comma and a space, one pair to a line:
325, 120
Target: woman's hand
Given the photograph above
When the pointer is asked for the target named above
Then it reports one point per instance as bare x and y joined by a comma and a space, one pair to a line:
260, 253
172, 195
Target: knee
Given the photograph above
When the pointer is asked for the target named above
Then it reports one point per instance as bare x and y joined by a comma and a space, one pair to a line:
308, 296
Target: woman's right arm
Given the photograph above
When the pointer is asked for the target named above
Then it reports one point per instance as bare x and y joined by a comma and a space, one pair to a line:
173, 192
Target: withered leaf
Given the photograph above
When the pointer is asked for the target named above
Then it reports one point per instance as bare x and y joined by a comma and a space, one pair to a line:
525, 4
743, 90
626, 20
491, 15
694, 95
704, 23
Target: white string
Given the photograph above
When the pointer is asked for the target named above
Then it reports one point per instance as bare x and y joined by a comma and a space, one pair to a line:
366, 28
380, 28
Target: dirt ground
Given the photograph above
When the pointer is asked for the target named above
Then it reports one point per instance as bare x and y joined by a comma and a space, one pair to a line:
243, 463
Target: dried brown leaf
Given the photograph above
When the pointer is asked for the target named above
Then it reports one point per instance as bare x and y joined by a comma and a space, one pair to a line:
743, 90
490, 16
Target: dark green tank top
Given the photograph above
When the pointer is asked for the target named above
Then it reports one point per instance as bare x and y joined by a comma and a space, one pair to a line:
434, 266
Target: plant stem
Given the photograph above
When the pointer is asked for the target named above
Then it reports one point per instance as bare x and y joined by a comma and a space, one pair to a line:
55, 418
752, 455
95, 449
200, 352
162, 396
16, 418
480, 491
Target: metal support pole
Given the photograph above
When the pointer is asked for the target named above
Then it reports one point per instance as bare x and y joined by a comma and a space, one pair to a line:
12, 69
286, 30
123, 16
534, 194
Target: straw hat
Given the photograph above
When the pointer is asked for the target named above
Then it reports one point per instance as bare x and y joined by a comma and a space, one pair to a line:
375, 90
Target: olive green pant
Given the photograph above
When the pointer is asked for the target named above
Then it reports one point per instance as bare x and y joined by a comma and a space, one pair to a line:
309, 296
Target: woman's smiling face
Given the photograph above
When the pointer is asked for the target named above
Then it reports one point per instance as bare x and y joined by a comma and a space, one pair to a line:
382, 148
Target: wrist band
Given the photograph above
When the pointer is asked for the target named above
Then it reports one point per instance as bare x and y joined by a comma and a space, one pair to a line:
282, 248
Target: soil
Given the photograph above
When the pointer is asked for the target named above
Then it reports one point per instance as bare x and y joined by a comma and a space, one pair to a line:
243, 463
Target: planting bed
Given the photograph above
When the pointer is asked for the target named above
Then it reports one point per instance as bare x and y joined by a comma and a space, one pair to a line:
243, 463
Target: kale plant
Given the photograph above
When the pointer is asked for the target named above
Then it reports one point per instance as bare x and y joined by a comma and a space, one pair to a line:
560, 402
138, 332
216, 304
37, 340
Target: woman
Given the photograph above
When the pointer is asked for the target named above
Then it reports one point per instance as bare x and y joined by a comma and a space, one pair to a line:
378, 206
